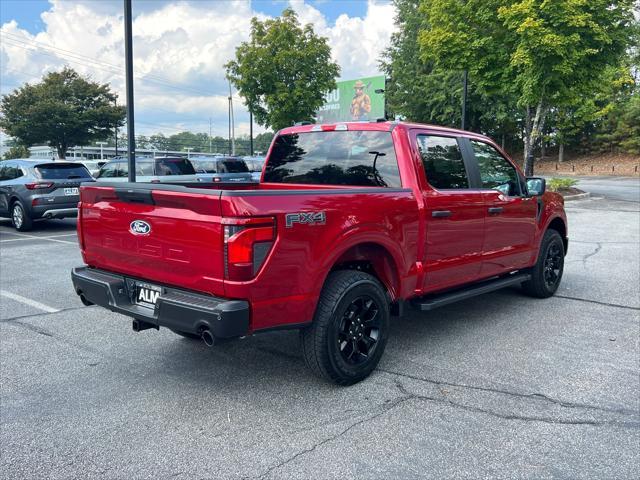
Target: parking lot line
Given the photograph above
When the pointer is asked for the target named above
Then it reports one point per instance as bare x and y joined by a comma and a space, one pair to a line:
52, 238
28, 301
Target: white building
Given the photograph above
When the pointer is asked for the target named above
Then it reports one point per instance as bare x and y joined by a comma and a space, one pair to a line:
105, 153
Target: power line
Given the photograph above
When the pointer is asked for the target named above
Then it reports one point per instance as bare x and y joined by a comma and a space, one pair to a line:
79, 56
114, 70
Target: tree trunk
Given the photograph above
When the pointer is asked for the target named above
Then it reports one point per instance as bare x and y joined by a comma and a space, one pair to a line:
533, 131
561, 153
543, 149
62, 151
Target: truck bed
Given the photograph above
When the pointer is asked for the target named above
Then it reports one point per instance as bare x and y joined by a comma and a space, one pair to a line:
185, 247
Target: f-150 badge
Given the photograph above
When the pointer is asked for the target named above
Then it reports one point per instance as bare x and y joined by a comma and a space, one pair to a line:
305, 218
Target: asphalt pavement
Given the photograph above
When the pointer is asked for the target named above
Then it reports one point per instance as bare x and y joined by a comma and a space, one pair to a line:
499, 386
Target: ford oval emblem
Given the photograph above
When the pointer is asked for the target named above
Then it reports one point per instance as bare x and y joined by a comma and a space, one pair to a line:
140, 227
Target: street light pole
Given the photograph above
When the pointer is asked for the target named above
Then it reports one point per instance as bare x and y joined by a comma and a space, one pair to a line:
188, 152
250, 133
128, 48
115, 127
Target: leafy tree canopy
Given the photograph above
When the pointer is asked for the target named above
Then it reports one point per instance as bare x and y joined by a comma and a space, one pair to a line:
545, 52
283, 71
63, 110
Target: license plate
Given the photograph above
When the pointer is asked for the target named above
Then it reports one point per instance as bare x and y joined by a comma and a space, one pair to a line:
147, 295
71, 191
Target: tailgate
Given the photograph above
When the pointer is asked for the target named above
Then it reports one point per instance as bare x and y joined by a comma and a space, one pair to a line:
166, 234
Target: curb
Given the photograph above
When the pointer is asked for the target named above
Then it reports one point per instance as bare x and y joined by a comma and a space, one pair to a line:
578, 196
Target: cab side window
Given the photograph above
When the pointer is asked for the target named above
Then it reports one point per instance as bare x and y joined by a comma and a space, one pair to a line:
496, 172
442, 162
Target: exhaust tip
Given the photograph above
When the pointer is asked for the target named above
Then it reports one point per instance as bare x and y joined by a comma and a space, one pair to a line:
84, 301
208, 338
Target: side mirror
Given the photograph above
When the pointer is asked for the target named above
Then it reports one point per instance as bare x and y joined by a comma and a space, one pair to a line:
536, 186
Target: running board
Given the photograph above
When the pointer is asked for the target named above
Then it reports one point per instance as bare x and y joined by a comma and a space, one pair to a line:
434, 301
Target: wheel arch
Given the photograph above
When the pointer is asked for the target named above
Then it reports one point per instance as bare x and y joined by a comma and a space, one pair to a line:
559, 225
375, 259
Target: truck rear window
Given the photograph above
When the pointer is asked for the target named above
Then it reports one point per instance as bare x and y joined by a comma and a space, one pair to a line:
358, 158
62, 171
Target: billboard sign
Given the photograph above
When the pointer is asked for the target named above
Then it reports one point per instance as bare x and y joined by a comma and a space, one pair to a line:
353, 100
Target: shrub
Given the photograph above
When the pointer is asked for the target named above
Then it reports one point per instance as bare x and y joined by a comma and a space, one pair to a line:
556, 184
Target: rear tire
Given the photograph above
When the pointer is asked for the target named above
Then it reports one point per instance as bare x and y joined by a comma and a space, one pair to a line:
20, 217
190, 336
546, 274
350, 328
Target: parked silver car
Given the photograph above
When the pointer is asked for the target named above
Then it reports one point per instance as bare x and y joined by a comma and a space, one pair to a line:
149, 170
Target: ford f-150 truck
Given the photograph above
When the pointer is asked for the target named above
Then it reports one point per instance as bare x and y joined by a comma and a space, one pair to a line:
350, 224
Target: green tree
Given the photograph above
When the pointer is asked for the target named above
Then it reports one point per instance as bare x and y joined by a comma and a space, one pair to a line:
63, 110
16, 151
545, 52
421, 91
283, 71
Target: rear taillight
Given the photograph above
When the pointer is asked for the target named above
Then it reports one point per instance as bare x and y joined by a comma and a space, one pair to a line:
247, 242
38, 185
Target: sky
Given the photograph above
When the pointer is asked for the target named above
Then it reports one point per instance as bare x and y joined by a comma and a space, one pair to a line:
180, 47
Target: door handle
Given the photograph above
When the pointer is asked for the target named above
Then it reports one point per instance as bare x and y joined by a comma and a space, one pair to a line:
495, 210
441, 213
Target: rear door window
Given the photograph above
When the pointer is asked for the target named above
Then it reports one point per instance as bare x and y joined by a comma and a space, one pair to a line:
442, 161
66, 171
354, 157
174, 166
232, 165
144, 168
108, 170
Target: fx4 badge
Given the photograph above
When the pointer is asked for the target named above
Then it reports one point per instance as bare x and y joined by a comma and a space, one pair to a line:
305, 218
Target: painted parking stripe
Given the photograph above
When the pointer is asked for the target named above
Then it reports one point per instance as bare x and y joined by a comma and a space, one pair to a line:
34, 237
28, 301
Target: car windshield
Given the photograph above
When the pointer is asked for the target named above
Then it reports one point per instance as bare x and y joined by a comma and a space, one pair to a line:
52, 171
354, 157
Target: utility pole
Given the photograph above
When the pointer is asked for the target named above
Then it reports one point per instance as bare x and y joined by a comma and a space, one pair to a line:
229, 98
102, 144
188, 149
209, 134
250, 133
115, 127
464, 99
232, 127
128, 49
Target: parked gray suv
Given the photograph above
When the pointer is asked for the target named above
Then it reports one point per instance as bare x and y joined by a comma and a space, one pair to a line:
38, 190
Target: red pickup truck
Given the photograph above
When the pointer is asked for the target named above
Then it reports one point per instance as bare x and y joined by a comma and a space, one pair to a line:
350, 224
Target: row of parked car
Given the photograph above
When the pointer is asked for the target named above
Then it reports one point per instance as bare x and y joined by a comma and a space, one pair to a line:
32, 190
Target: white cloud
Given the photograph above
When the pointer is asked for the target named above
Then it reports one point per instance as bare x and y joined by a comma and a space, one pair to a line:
180, 48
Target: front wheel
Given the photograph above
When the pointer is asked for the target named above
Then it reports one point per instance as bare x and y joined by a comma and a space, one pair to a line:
20, 218
547, 272
350, 328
